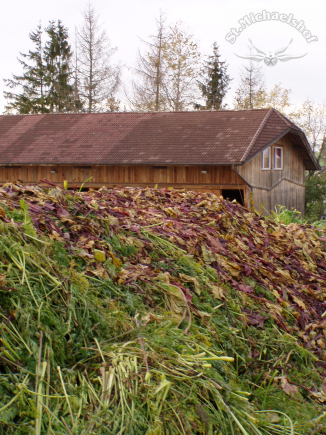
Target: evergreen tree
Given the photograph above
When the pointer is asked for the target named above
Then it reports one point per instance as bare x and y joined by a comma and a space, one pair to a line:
31, 97
44, 85
57, 55
215, 82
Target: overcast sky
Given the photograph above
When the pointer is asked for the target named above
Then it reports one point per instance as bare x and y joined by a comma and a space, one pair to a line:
125, 21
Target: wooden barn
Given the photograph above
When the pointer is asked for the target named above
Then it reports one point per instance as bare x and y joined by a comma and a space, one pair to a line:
230, 153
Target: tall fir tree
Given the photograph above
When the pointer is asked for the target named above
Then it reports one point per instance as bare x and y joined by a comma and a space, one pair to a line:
57, 56
214, 82
31, 87
45, 84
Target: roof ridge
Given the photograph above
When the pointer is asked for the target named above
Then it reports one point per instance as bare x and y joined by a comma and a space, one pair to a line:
287, 121
253, 140
135, 113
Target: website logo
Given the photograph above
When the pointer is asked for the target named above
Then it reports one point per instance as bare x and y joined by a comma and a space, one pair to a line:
271, 58
250, 19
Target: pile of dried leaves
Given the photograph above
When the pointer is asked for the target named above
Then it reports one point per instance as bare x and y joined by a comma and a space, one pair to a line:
167, 311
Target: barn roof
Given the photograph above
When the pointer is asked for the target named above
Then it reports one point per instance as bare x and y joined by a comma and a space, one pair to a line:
222, 137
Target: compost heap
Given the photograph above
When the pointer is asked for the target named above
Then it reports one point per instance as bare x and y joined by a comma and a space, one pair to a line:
156, 311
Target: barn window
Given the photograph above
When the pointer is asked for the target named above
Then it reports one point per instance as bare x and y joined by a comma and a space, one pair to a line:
278, 158
266, 159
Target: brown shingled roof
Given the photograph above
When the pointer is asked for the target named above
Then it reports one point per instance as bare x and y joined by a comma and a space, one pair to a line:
219, 137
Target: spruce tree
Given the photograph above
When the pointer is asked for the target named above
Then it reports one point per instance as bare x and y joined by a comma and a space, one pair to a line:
57, 54
31, 84
45, 84
215, 82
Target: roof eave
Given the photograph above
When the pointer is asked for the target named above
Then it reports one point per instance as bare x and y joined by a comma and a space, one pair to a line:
258, 131
268, 145
308, 147
237, 163
304, 140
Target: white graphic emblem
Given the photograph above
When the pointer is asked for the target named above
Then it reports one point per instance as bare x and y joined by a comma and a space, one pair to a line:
272, 57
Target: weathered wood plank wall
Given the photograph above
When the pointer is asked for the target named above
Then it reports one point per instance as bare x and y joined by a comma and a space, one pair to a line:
215, 179
273, 187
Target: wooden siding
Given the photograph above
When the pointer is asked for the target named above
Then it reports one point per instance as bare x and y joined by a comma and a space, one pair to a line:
190, 177
277, 187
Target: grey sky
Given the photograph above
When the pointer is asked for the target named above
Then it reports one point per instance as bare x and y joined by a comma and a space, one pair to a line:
208, 20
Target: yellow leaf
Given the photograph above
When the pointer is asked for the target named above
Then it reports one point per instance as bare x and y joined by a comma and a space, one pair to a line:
187, 278
218, 292
115, 260
174, 290
320, 397
99, 256
285, 274
299, 302
100, 272
208, 256
202, 203
113, 221
164, 276
150, 317
274, 309
232, 267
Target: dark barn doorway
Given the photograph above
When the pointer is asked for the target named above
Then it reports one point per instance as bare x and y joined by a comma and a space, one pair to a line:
231, 194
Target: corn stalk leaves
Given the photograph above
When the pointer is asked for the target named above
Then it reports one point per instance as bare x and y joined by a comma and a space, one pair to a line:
133, 242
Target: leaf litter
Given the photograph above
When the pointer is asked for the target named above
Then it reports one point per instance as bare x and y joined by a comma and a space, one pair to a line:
156, 311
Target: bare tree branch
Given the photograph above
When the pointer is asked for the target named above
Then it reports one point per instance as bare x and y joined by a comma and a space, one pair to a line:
99, 79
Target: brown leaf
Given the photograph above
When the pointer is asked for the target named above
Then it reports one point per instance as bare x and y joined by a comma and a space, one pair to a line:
3, 279
254, 318
288, 388
2, 213
245, 288
215, 243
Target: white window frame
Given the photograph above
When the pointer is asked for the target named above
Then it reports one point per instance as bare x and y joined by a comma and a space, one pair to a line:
281, 168
262, 159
